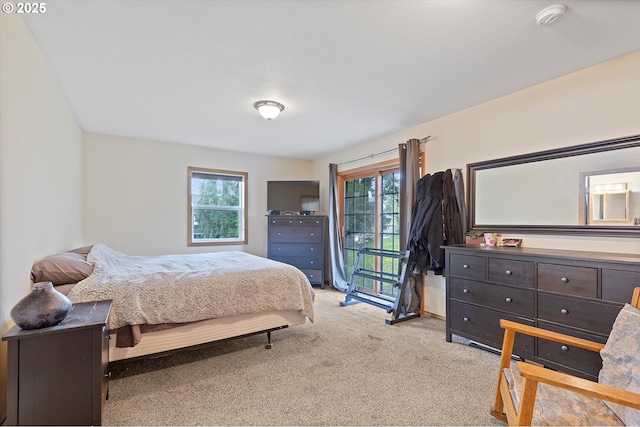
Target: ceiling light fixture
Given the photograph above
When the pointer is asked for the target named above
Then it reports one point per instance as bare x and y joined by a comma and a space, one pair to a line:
269, 109
550, 14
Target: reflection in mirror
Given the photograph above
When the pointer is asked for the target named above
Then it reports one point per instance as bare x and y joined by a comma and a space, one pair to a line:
609, 207
569, 190
614, 196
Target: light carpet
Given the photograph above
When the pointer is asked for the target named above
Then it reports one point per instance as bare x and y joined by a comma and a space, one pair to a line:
347, 368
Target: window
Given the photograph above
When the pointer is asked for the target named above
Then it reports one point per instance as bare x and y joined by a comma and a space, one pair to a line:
371, 219
217, 207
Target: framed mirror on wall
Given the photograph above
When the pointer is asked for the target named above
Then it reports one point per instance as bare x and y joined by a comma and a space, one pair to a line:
590, 189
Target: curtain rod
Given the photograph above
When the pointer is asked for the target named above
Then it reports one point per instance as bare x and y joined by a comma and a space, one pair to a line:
371, 156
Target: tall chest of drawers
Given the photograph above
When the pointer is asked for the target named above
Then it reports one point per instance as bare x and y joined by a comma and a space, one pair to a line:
299, 241
574, 292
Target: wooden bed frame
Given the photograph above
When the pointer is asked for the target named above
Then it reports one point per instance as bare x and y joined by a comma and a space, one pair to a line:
206, 331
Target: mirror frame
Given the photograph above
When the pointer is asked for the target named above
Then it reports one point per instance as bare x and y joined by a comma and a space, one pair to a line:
575, 150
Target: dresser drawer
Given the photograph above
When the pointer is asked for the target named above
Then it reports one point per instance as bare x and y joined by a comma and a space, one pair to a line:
312, 267
568, 280
618, 285
295, 234
512, 300
483, 325
301, 262
511, 272
471, 267
569, 358
294, 249
314, 276
588, 315
291, 221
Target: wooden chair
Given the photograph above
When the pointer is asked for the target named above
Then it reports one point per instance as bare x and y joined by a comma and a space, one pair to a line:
506, 410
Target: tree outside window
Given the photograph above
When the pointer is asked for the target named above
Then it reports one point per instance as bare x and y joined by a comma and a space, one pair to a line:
217, 207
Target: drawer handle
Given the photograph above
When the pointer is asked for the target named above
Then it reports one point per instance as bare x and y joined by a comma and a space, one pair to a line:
564, 348
466, 319
465, 266
300, 222
312, 234
311, 249
564, 311
508, 273
564, 280
279, 234
507, 299
311, 262
108, 375
465, 290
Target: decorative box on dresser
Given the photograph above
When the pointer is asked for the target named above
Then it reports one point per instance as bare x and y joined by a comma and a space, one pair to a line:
59, 375
299, 240
574, 292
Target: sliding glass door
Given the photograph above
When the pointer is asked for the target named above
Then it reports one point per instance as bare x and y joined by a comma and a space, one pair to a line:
371, 220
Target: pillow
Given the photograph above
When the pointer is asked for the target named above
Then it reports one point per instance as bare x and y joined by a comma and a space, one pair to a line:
83, 250
621, 361
62, 268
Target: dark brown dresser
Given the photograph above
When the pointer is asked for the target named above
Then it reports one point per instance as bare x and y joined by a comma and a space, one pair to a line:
574, 292
59, 375
299, 240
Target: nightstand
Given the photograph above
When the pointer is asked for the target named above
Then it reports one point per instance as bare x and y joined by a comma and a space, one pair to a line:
59, 375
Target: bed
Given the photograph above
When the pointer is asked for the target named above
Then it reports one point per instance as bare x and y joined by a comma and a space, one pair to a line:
163, 303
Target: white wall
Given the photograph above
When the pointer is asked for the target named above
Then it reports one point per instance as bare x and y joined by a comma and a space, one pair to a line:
40, 169
594, 104
136, 193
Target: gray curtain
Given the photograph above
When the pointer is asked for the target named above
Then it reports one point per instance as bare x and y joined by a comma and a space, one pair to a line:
338, 275
460, 195
409, 156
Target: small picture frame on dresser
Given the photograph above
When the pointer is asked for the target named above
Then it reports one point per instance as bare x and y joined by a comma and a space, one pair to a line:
474, 239
510, 242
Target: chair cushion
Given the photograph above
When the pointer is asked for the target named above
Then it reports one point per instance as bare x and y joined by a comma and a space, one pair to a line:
621, 361
556, 406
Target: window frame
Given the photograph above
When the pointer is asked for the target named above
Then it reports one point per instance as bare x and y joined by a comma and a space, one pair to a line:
243, 222
376, 170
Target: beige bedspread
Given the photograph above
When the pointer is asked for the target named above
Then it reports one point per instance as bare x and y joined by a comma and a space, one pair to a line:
190, 287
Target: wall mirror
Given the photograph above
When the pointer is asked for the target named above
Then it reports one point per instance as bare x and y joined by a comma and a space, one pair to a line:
590, 188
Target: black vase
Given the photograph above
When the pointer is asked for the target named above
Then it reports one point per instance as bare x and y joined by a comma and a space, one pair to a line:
44, 306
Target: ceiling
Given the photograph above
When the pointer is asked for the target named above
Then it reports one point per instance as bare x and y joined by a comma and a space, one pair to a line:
347, 71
